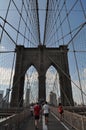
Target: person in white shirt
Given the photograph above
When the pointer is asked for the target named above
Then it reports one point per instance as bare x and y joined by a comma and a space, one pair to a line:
46, 110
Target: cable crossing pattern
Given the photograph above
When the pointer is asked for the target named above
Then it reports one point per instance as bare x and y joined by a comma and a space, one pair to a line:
65, 24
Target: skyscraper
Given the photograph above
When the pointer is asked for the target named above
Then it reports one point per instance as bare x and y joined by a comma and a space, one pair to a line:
27, 98
7, 95
1, 94
53, 99
1, 98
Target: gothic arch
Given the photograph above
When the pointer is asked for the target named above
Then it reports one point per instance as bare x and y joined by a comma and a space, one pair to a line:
50, 77
41, 58
31, 65
32, 75
52, 64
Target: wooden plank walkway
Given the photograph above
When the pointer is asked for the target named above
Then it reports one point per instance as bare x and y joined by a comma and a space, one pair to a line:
53, 124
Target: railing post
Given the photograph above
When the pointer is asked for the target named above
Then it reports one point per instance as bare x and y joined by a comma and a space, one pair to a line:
82, 120
6, 127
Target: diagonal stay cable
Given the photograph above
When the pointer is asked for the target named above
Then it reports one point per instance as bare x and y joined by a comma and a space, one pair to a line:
48, 16
35, 18
82, 25
61, 89
17, 31
38, 25
16, 82
55, 21
45, 26
19, 23
23, 20
7, 94
30, 17
69, 33
28, 80
66, 75
11, 72
63, 20
8, 34
72, 42
83, 9
5, 19
77, 28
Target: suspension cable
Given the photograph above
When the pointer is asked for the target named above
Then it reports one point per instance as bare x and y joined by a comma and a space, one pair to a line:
5, 20
83, 9
8, 35
75, 56
63, 20
23, 19
67, 76
18, 31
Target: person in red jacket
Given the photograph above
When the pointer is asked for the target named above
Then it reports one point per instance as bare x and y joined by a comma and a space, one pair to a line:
60, 110
37, 114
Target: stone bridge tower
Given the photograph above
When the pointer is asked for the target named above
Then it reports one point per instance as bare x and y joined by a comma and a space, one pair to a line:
41, 58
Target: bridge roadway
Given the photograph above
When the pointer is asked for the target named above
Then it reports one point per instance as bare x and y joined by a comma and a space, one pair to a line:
53, 124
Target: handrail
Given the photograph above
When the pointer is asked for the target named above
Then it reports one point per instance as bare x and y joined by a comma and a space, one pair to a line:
14, 122
78, 122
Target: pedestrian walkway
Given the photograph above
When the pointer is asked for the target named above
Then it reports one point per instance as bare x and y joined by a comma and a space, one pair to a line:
53, 124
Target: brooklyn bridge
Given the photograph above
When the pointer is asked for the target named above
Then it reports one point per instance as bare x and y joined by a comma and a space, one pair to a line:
42, 58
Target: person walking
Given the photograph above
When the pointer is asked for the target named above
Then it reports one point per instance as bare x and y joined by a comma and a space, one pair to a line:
31, 110
37, 115
46, 110
60, 110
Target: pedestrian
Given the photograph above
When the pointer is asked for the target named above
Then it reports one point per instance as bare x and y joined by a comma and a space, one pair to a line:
60, 110
37, 115
31, 110
46, 110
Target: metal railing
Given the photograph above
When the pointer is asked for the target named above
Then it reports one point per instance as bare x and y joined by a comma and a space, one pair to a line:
76, 121
14, 121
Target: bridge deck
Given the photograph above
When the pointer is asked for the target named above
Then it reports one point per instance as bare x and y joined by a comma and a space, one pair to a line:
53, 124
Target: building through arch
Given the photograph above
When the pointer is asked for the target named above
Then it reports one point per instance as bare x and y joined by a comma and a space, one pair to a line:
52, 84
41, 58
31, 86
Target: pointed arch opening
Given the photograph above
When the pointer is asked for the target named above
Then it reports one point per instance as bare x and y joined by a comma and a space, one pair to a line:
52, 85
31, 86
